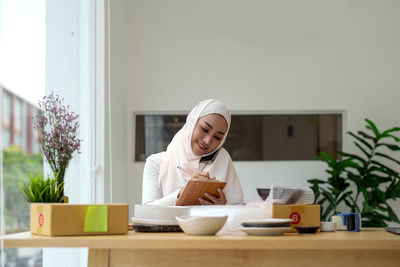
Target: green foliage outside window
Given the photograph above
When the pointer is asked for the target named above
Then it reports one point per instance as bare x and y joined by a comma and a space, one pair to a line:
18, 166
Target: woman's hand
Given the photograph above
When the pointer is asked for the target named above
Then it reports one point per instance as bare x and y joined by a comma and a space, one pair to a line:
221, 200
202, 175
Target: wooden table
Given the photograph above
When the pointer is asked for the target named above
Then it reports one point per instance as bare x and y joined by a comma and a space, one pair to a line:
370, 247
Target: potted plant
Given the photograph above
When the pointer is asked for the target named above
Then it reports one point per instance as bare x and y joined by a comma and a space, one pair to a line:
57, 127
375, 181
331, 193
40, 189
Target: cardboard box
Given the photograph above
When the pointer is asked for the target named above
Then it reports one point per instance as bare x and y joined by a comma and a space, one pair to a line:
302, 215
77, 219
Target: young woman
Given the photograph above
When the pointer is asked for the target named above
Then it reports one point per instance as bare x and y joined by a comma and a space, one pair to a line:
197, 147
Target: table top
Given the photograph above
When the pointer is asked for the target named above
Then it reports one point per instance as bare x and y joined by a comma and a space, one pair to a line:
368, 238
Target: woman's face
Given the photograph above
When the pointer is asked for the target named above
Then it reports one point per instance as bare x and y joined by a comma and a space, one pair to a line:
208, 134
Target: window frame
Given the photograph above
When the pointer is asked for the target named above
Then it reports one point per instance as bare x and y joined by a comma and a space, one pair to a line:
342, 113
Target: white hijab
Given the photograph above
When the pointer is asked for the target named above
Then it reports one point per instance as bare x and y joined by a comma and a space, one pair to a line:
179, 152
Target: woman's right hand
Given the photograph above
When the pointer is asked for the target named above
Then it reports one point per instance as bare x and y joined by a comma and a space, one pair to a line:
202, 175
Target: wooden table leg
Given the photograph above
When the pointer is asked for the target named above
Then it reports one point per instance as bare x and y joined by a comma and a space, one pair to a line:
99, 258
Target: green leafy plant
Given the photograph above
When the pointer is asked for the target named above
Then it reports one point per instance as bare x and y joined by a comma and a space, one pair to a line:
40, 189
336, 190
375, 181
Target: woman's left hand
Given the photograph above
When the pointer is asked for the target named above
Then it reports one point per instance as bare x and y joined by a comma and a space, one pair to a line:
221, 200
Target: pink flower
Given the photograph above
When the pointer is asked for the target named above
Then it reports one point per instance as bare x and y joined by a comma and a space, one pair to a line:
58, 132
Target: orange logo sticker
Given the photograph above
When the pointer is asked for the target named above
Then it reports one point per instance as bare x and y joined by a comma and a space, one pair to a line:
41, 219
295, 216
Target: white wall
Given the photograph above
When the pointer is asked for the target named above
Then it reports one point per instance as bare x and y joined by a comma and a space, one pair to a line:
253, 55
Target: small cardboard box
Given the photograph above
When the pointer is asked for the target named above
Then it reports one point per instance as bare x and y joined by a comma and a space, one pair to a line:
77, 219
302, 215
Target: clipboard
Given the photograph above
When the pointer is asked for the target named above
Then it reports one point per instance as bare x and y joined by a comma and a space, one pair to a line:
195, 189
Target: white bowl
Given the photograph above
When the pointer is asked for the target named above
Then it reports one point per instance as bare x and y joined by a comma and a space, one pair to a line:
328, 227
198, 225
166, 213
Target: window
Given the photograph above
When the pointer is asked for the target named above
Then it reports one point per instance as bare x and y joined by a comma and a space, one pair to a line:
17, 122
6, 118
57, 45
254, 137
24, 127
18, 164
154, 132
22, 39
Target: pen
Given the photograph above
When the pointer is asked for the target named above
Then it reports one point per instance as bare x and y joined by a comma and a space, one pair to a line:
182, 169
191, 174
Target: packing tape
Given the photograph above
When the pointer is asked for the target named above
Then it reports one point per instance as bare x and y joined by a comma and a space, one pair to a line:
96, 219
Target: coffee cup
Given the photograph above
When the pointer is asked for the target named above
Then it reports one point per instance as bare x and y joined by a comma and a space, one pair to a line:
338, 219
353, 222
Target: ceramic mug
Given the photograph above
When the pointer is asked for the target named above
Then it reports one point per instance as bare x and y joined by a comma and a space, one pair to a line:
338, 219
347, 221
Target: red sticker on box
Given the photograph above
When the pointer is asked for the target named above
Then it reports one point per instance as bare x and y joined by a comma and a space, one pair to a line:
41, 219
295, 216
